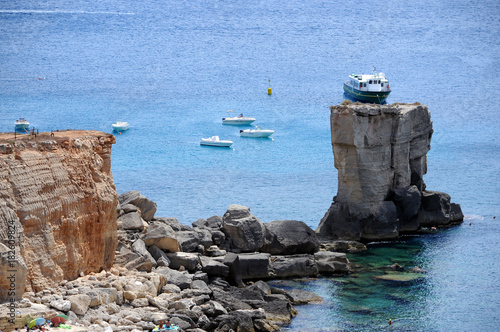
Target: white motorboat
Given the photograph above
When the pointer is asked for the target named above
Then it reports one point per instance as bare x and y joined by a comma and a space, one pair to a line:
256, 132
215, 141
22, 124
120, 126
238, 120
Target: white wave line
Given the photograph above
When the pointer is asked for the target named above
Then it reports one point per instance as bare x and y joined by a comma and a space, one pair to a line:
29, 11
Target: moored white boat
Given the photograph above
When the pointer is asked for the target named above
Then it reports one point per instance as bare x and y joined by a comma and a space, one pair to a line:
261, 133
215, 141
372, 88
238, 120
120, 126
22, 124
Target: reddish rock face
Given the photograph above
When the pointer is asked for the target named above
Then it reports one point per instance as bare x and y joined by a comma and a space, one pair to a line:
59, 192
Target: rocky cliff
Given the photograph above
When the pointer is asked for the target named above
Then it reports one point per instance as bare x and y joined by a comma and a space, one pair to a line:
57, 209
380, 153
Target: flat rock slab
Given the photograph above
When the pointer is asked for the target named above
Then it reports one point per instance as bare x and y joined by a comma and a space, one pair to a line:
401, 277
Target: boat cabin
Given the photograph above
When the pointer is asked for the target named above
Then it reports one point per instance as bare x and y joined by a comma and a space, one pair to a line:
374, 82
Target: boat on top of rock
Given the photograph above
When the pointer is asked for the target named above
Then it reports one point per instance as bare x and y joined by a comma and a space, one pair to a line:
22, 124
373, 88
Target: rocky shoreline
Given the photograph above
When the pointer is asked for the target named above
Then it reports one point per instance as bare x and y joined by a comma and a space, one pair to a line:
69, 244
208, 277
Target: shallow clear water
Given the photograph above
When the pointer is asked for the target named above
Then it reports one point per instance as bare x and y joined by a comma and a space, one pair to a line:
173, 69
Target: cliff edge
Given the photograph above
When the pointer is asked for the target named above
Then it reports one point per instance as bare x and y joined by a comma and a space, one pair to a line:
58, 209
380, 153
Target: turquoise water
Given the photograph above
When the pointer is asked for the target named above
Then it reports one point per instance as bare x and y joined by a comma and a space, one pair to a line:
173, 69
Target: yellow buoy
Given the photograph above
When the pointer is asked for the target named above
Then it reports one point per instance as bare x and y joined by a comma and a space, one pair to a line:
269, 90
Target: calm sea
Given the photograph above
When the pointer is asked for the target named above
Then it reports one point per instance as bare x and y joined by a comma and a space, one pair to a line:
173, 69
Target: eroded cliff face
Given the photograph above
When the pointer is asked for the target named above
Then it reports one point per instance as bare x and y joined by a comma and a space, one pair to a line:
380, 153
57, 209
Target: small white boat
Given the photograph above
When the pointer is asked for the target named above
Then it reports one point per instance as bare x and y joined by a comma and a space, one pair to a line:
215, 141
256, 132
22, 124
238, 120
120, 126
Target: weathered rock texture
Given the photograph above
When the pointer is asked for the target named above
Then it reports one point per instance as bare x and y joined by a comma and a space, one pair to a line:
380, 153
58, 198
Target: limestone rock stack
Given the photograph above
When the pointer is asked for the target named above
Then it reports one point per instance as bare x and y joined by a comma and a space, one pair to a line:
57, 208
380, 153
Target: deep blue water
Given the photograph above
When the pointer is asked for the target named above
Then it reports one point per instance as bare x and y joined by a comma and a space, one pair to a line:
173, 68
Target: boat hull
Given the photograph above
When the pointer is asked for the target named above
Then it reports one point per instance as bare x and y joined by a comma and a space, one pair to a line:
257, 133
243, 121
371, 97
22, 126
120, 128
217, 144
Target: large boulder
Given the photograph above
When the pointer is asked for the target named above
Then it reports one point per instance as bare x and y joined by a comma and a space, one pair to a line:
254, 266
79, 303
245, 231
293, 266
162, 236
232, 260
139, 247
331, 262
214, 268
190, 241
190, 261
131, 221
435, 209
355, 222
289, 237
145, 205
407, 201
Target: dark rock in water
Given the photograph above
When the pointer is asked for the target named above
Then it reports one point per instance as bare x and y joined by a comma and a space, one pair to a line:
289, 237
407, 201
396, 267
456, 215
435, 209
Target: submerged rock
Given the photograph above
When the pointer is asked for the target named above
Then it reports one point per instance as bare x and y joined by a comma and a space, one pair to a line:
401, 277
